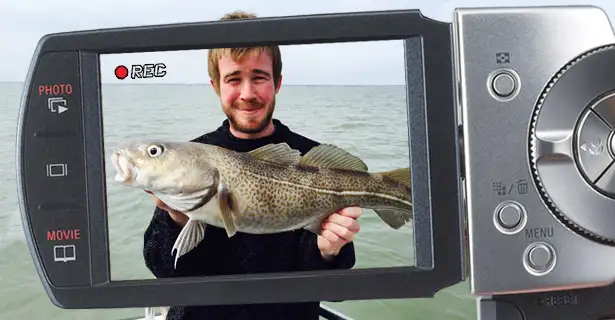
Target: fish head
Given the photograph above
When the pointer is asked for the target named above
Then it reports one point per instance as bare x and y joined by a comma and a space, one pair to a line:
164, 167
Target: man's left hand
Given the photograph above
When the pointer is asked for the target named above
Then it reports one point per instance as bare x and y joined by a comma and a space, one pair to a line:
337, 230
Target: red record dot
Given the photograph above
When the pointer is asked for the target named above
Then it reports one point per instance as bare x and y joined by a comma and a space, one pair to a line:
121, 72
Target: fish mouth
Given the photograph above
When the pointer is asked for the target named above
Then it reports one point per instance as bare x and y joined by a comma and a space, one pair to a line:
126, 172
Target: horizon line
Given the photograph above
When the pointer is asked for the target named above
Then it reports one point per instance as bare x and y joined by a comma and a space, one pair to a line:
207, 83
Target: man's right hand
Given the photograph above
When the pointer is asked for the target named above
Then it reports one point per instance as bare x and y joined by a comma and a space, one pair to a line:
179, 217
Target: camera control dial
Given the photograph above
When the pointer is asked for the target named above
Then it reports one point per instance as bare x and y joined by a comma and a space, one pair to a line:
572, 145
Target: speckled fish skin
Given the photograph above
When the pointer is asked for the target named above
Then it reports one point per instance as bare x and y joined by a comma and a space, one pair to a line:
280, 197
267, 190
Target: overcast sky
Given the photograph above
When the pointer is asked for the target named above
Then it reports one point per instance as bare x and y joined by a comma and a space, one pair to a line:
24, 22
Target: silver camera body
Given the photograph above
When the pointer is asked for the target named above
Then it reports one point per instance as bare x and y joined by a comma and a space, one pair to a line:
535, 90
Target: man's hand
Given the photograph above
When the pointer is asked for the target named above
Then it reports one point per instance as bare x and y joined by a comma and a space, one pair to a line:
338, 229
179, 217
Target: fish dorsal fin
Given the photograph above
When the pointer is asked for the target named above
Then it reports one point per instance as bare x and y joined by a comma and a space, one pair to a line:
280, 153
332, 157
401, 175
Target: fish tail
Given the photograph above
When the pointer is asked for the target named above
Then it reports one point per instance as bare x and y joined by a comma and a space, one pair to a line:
396, 216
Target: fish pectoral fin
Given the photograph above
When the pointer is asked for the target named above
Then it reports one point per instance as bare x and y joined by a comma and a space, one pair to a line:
332, 157
190, 236
227, 205
394, 217
280, 153
401, 175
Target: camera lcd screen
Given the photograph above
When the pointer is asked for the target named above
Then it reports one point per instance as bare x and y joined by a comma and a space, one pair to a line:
351, 95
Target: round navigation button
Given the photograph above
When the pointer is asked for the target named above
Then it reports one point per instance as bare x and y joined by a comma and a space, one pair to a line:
605, 108
592, 143
569, 145
539, 258
606, 182
504, 84
509, 217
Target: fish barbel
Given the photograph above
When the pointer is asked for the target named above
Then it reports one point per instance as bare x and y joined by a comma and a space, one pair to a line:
267, 190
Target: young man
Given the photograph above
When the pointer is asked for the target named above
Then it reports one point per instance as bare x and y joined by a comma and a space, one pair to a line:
247, 81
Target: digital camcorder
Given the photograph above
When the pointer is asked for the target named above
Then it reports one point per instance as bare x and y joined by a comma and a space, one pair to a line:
511, 122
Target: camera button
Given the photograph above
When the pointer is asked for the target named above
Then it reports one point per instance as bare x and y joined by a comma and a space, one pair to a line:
539, 258
510, 217
593, 146
605, 108
54, 170
504, 84
606, 183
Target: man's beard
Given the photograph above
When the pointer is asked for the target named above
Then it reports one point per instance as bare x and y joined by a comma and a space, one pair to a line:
247, 128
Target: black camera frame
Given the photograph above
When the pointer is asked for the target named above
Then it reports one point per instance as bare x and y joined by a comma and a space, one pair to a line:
74, 202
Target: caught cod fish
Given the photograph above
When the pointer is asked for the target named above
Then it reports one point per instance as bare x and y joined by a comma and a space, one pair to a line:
267, 190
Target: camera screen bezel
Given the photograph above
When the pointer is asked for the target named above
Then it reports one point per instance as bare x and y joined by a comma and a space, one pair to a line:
434, 161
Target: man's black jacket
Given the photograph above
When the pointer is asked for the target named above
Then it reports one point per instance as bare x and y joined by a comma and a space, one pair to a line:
243, 253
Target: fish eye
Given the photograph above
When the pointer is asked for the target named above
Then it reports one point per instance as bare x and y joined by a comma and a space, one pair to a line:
155, 150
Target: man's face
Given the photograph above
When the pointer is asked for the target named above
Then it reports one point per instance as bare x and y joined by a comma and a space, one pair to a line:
247, 91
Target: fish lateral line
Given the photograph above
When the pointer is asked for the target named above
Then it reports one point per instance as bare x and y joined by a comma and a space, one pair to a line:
332, 192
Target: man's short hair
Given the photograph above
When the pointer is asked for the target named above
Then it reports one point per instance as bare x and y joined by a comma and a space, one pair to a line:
239, 54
